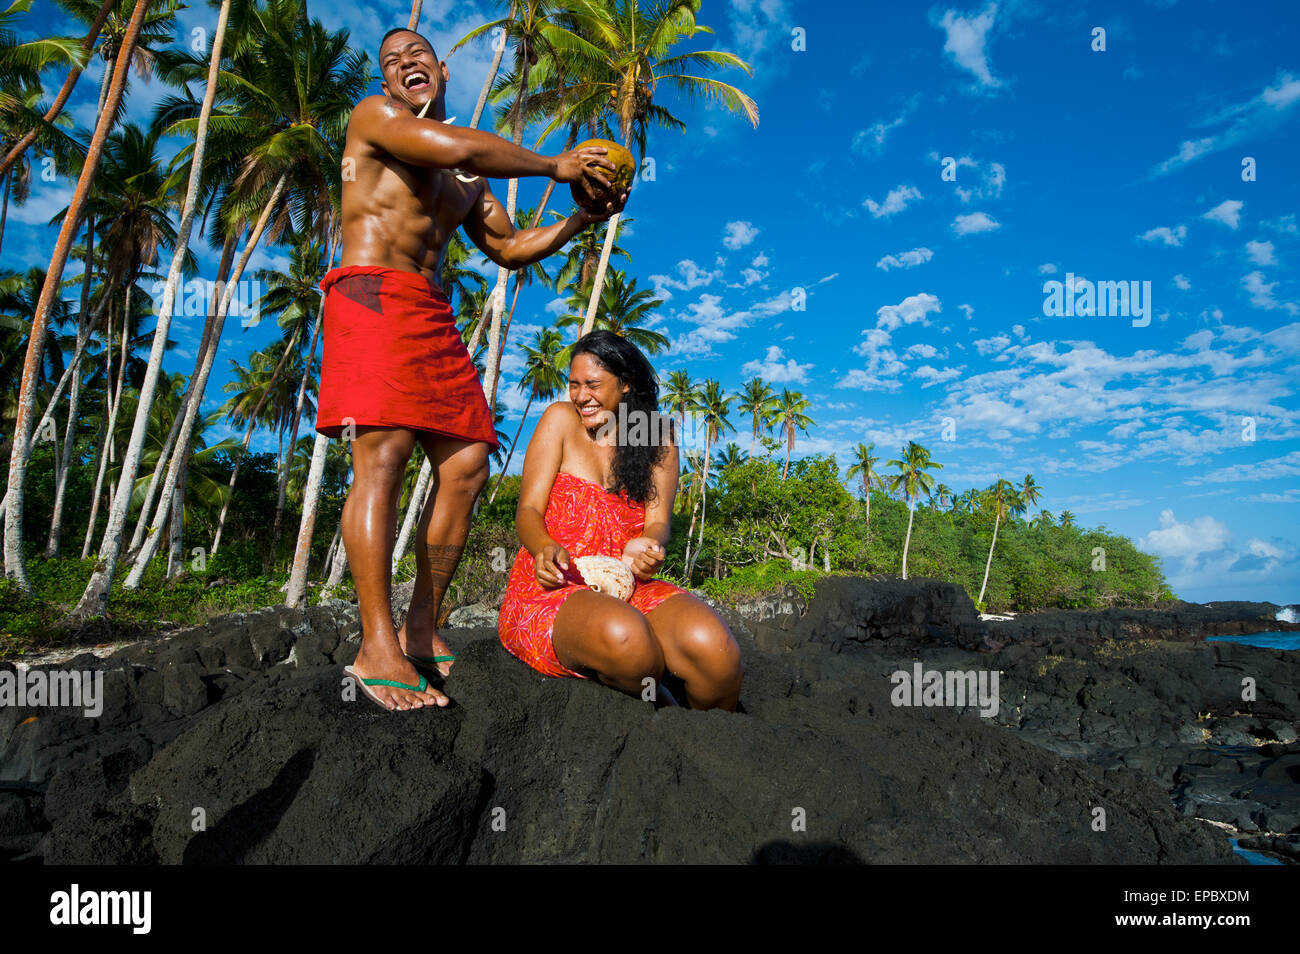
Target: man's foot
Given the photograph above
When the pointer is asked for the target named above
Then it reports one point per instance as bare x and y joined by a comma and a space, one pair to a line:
426, 644
400, 670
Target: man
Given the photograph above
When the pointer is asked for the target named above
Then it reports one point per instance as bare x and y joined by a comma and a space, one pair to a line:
394, 370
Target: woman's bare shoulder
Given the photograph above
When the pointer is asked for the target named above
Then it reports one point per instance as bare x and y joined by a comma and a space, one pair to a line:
559, 417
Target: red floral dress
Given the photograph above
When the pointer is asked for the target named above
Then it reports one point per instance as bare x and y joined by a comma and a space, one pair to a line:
586, 520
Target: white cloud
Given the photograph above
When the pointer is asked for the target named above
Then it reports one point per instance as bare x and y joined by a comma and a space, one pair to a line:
975, 222
987, 346
1047, 269
1165, 234
776, 367
932, 376
1227, 212
1252, 119
917, 256
911, 310
870, 142
894, 203
1202, 535
1261, 253
992, 178
739, 234
692, 276
1261, 293
1288, 465
966, 42
1182, 282
1285, 224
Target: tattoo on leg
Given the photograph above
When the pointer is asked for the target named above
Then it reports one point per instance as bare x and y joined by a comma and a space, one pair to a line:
443, 560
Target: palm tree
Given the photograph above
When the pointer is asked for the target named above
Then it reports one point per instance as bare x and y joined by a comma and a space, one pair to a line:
1041, 519
1030, 493
1067, 518
940, 496
623, 310
261, 395
21, 65
292, 90
294, 298
788, 414
756, 400
864, 466
581, 256
680, 394
17, 122
618, 56
712, 406
1002, 499
731, 456
542, 379
529, 26
913, 480
15, 568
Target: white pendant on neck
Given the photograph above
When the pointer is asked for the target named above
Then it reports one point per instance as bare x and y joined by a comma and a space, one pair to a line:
459, 175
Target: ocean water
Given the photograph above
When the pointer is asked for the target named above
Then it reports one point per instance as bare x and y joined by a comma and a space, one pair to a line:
1267, 640
1254, 857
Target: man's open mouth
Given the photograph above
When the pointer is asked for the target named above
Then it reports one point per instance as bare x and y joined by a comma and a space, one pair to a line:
416, 81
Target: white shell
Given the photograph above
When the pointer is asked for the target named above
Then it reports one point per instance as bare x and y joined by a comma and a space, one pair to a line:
607, 575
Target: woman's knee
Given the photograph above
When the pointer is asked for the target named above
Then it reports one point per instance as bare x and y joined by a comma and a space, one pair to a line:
710, 647
628, 646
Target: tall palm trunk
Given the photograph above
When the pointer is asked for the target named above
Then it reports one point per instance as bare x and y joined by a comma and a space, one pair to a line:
334, 543
907, 542
160, 468
248, 435
513, 444
192, 409
989, 563
297, 589
611, 231
704, 507
74, 396
4, 214
491, 75
95, 598
496, 340
87, 44
789, 446
15, 568
302, 394
113, 403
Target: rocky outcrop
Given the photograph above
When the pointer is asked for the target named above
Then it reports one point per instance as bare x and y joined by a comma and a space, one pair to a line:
234, 743
1176, 622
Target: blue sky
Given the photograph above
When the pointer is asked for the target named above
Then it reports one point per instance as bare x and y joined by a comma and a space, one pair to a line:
923, 295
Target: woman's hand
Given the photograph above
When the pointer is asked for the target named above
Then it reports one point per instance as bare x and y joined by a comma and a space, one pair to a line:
550, 564
644, 555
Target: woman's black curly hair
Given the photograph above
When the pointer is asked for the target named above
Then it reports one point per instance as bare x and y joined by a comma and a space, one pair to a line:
634, 462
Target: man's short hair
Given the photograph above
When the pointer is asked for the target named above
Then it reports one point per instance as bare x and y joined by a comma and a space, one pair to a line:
384, 38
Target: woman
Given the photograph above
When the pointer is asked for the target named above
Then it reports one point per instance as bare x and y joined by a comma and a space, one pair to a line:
600, 477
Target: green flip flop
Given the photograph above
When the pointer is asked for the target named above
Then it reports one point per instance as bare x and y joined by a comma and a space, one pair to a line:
430, 662
366, 683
